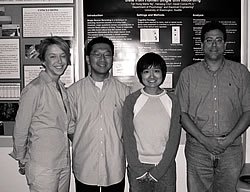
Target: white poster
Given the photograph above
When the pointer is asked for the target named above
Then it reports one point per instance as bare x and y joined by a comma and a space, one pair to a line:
168, 82
9, 59
34, 1
43, 22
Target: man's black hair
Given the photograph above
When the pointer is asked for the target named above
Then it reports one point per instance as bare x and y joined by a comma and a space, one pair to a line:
96, 40
212, 26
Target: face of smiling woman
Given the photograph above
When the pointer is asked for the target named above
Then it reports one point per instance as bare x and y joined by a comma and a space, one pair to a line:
55, 61
152, 79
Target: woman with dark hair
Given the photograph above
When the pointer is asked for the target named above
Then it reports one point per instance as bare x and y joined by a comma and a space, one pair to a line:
151, 130
41, 145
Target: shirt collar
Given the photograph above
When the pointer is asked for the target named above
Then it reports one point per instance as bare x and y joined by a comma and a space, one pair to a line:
104, 81
46, 78
149, 95
208, 69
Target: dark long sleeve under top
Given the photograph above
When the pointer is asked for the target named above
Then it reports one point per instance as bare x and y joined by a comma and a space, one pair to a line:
172, 144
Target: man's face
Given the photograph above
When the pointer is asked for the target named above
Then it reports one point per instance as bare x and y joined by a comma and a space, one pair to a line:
55, 61
100, 60
214, 45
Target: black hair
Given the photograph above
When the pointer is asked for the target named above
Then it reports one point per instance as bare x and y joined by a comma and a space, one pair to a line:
53, 40
212, 26
96, 40
148, 60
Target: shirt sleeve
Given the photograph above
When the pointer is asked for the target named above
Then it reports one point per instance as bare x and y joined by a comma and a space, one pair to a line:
172, 144
182, 90
27, 106
73, 112
246, 90
129, 138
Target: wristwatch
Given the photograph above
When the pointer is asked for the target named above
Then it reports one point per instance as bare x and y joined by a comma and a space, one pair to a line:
21, 168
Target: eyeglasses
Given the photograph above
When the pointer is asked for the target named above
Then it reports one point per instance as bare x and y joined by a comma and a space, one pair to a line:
100, 55
217, 41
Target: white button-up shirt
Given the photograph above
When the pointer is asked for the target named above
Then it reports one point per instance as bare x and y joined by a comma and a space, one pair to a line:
98, 155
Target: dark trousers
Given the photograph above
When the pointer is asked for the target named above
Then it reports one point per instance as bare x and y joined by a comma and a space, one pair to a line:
119, 187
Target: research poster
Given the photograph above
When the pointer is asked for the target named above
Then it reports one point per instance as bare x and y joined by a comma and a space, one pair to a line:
170, 28
62, 16
9, 59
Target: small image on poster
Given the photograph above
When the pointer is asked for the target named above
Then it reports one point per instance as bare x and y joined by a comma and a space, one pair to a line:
7, 117
149, 35
11, 30
31, 51
8, 111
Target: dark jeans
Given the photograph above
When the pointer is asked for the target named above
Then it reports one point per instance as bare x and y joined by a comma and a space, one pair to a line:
212, 173
119, 187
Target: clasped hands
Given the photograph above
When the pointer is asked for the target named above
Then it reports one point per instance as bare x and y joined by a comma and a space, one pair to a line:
147, 177
217, 145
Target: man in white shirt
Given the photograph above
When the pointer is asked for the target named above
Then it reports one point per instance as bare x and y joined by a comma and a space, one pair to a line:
96, 131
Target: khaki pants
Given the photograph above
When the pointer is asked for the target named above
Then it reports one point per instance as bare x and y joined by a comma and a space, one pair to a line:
42, 179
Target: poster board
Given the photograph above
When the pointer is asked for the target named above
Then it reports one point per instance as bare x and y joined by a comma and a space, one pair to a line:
170, 28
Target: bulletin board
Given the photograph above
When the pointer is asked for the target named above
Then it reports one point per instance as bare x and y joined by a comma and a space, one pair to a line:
23, 24
170, 28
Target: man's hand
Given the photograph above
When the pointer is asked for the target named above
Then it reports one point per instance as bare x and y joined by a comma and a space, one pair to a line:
216, 145
225, 142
